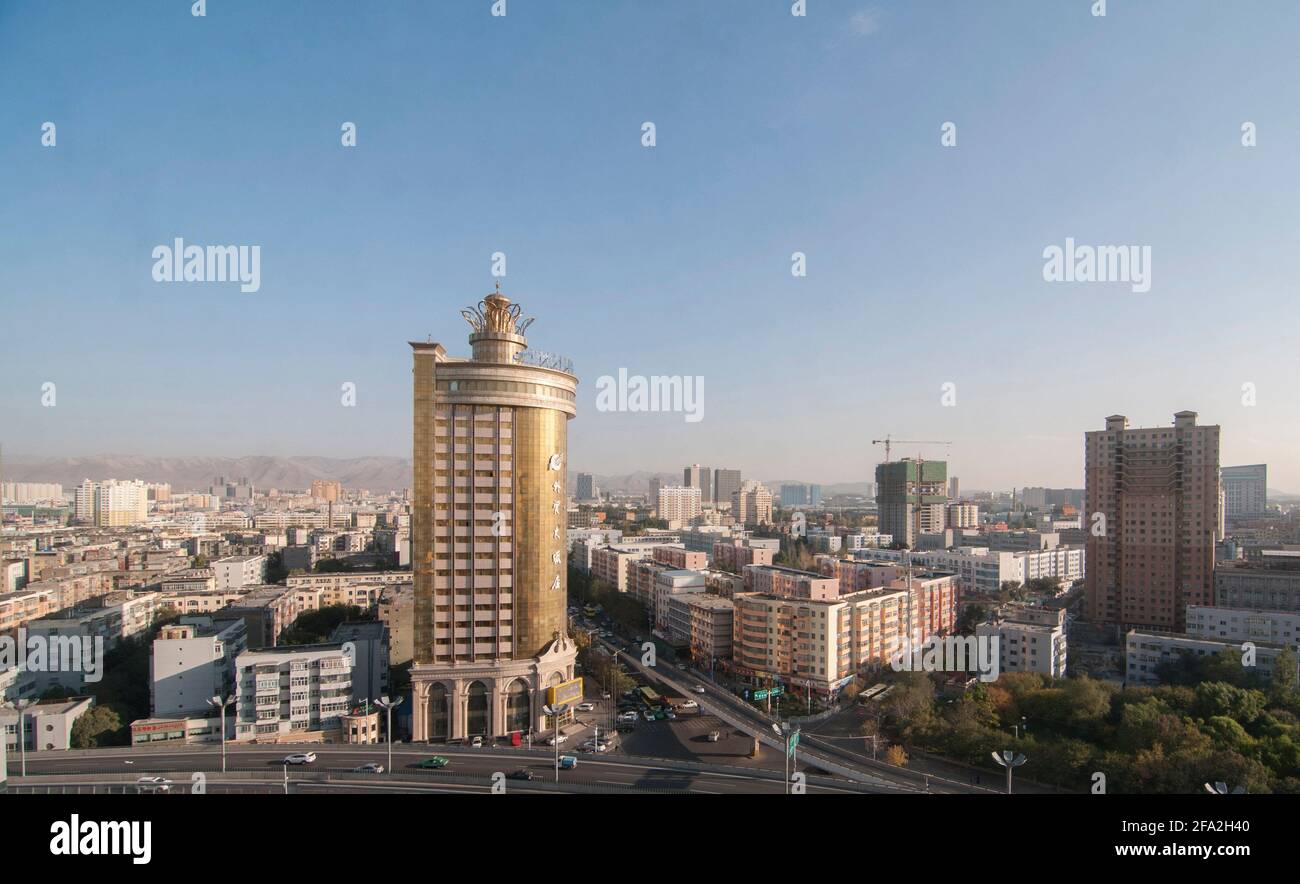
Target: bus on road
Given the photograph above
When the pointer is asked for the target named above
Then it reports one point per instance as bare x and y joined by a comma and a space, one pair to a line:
649, 696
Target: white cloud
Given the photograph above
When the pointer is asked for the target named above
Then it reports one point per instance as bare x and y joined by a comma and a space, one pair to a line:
865, 22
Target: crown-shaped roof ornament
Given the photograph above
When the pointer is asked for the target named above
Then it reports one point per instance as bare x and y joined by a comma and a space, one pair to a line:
495, 313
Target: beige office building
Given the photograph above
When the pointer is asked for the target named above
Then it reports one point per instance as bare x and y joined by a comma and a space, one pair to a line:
323, 489
679, 505
488, 531
1152, 518
752, 504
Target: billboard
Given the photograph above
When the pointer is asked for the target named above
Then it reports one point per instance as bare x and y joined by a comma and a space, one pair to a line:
567, 692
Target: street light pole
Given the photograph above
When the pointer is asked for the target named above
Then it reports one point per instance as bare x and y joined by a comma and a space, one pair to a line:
795, 761
385, 703
1010, 761
221, 704
19, 706
555, 712
781, 729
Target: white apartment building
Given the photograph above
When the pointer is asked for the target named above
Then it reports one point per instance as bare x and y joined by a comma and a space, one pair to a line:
1244, 625
21, 493
189, 580
855, 542
596, 536
1146, 652
679, 505
752, 504
236, 572
611, 563
709, 621
94, 632
13, 575
192, 661
983, 570
47, 724
1030, 639
822, 642
963, 515
670, 583
111, 504
293, 693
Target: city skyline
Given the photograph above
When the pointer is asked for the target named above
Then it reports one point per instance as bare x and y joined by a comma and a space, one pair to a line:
26, 465
673, 260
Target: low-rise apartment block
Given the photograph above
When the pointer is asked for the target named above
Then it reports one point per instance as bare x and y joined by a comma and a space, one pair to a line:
1268, 582
668, 583
1244, 625
789, 583
47, 725
269, 610
192, 661
855, 575
1148, 652
611, 563
292, 694
236, 572
735, 554
1030, 639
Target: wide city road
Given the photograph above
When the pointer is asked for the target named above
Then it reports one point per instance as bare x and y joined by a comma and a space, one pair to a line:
260, 768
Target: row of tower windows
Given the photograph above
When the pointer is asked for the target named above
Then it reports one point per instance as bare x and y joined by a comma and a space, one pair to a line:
481, 386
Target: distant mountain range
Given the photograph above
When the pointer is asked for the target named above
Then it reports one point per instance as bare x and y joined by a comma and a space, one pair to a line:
194, 473
375, 473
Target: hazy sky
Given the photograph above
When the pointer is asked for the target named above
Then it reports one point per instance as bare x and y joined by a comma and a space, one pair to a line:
775, 134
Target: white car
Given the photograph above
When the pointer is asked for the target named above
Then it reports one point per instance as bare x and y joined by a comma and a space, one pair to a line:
628, 716
300, 758
649, 716
153, 784
476, 743
586, 707
689, 704
556, 740
593, 746
699, 689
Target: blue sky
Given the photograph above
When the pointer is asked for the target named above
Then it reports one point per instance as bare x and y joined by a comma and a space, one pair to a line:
775, 134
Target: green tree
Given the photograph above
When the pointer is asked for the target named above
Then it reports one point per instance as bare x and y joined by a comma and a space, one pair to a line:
275, 571
1219, 699
1283, 684
97, 726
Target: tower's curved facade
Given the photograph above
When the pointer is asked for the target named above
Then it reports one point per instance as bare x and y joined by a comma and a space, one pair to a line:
488, 532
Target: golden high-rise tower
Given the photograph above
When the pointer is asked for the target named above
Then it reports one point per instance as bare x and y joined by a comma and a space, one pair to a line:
488, 531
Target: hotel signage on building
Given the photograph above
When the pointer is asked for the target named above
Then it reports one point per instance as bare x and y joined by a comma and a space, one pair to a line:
568, 692
542, 359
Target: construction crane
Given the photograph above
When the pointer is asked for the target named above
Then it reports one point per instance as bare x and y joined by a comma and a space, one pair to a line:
888, 442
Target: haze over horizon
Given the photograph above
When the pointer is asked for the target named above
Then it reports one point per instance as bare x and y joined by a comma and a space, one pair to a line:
775, 135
